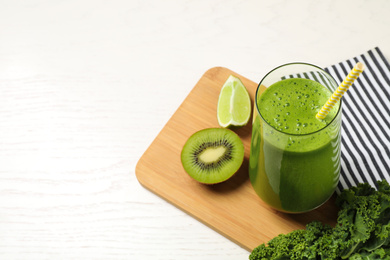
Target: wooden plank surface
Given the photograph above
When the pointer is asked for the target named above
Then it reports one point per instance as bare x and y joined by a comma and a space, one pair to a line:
231, 208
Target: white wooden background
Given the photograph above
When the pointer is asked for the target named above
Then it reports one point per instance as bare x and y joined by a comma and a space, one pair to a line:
85, 86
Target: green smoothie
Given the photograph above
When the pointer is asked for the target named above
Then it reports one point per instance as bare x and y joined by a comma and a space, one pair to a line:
295, 158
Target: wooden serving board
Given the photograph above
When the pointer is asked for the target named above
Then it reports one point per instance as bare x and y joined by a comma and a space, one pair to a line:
231, 208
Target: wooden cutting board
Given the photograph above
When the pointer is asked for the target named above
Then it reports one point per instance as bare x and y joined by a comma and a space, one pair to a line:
231, 208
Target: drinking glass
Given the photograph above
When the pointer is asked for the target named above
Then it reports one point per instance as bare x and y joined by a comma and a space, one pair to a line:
291, 172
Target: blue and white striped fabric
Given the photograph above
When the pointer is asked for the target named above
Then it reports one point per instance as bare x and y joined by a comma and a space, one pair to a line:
365, 155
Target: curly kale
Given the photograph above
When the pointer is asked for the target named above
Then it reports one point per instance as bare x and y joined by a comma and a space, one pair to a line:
362, 231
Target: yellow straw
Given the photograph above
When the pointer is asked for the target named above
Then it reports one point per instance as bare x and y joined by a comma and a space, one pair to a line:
348, 81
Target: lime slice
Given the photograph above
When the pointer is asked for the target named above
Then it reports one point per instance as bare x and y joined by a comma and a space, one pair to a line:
234, 104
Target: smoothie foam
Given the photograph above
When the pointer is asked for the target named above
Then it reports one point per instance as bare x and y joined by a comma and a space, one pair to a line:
291, 106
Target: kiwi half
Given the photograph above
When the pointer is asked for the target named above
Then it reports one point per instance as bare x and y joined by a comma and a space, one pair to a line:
212, 155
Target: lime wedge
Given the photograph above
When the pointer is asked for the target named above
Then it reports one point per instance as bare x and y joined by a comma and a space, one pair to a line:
234, 104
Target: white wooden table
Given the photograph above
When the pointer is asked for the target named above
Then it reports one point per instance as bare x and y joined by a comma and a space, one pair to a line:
85, 86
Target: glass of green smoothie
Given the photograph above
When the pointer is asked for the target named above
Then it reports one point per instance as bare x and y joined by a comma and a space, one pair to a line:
294, 163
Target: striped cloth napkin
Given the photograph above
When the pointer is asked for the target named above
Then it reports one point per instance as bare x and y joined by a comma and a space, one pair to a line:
365, 155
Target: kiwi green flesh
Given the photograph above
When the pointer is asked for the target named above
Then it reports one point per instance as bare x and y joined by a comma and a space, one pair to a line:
212, 155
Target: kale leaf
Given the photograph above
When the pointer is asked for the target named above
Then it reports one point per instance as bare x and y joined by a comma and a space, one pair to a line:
362, 231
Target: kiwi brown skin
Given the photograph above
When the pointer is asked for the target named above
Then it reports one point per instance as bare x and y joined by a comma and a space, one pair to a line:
212, 155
